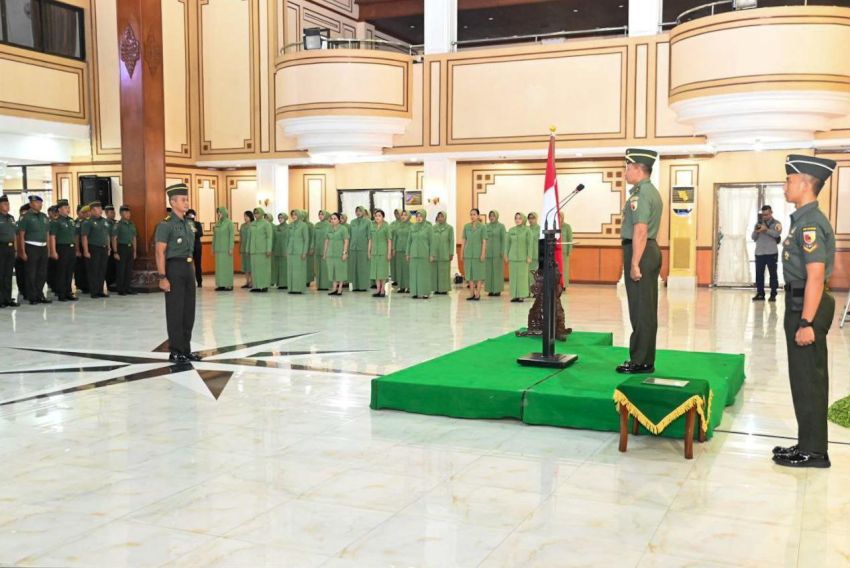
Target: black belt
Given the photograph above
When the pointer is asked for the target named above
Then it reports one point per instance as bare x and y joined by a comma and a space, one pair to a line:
97, 246
180, 259
72, 245
629, 241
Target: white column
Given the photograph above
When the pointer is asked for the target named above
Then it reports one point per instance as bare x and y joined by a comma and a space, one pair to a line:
2, 176
440, 25
440, 182
644, 17
273, 184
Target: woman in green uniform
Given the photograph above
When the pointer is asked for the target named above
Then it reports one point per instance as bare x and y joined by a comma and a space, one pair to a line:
296, 252
495, 269
244, 244
335, 254
281, 238
535, 248
419, 254
358, 262
518, 251
222, 245
396, 220
442, 253
311, 249
320, 231
474, 251
566, 246
401, 235
380, 252
260, 246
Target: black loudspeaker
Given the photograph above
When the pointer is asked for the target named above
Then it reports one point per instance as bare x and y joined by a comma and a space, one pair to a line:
95, 188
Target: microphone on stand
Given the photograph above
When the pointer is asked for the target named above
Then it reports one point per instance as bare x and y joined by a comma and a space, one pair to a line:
563, 202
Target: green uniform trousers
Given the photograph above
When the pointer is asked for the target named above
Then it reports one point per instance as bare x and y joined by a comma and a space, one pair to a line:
322, 280
358, 269
809, 373
442, 275
401, 272
643, 302
261, 270
420, 277
518, 276
180, 304
494, 275
279, 271
566, 258
223, 270
296, 273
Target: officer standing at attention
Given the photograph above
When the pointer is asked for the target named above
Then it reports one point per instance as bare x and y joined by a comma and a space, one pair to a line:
175, 243
8, 252
808, 255
111, 263
124, 247
766, 236
20, 263
33, 230
52, 215
641, 259
96, 235
81, 275
63, 250
196, 252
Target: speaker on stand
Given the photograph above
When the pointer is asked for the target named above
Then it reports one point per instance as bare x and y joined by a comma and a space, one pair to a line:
95, 188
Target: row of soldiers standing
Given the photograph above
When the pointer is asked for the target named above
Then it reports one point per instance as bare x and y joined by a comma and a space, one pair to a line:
57, 250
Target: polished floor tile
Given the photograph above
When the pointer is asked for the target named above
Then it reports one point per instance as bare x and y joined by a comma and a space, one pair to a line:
110, 457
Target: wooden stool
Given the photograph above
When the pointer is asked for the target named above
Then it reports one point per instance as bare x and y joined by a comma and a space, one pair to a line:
690, 423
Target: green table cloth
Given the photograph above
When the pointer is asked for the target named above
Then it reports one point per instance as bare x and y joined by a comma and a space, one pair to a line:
657, 406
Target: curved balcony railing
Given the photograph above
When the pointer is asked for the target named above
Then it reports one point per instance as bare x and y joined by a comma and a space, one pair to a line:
353, 43
540, 38
724, 6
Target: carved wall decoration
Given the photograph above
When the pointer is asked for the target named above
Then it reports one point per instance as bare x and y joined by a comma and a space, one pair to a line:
129, 49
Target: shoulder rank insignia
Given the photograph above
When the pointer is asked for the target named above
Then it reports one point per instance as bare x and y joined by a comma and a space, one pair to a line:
167, 218
810, 237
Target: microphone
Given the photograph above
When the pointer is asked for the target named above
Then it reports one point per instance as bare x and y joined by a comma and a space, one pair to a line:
563, 202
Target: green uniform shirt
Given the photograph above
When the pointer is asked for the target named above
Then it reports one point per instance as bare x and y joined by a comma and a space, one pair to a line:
336, 241
442, 241
34, 225
474, 237
124, 232
8, 229
401, 234
177, 234
97, 230
810, 239
359, 229
643, 206
380, 238
64, 230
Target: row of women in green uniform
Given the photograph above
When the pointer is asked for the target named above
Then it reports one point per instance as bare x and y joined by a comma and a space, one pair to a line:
415, 253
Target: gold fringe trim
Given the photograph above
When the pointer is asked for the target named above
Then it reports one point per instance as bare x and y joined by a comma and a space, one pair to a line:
695, 401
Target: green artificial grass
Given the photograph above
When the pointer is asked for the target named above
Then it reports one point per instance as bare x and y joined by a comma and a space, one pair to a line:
485, 381
839, 412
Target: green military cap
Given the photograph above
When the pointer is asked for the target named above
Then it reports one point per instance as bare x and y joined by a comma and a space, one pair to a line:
35, 198
641, 156
94, 204
62, 203
85, 209
109, 208
124, 208
819, 168
4, 199
52, 208
177, 189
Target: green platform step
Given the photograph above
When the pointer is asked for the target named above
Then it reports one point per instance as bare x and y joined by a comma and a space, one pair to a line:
484, 381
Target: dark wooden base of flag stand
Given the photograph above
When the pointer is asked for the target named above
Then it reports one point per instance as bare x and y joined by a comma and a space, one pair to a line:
548, 357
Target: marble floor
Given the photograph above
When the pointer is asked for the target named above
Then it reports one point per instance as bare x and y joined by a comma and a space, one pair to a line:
110, 457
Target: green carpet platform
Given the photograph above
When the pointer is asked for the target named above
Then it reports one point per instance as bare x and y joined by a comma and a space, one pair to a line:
484, 381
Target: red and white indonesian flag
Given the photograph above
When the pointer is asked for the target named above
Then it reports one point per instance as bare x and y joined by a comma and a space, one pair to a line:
551, 199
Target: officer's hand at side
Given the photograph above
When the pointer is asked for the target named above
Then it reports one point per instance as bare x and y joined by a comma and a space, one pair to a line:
165, 285
389, 256
805, 336
635, 273
54, 256
24, 256
117, 256
87, 255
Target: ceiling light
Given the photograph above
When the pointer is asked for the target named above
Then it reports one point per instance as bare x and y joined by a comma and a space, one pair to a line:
466, 27
575, 11
490, 18
412, 27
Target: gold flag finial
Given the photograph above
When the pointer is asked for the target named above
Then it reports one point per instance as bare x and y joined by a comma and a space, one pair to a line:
552, 129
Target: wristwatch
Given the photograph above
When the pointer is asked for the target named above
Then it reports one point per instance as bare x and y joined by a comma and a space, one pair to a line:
804, 323
161, 276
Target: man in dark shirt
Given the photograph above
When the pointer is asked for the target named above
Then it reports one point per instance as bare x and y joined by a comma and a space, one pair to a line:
196, 254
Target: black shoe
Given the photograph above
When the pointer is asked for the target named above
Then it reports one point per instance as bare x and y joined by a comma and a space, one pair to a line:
476, 298
132, 292
758, 298
802, 459
193, 356
34, 302
220, 289
230, 289
377, 295
255, 290
13, 304
177, 357
333, 293
246, 286
295, 292
44, 300
424, 297
772, 298
200, 285
61, 299
122, 293
790, 450
415, 297
361, 290
630, 368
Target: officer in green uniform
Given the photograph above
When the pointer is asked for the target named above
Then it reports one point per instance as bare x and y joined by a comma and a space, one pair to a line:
311, 249
358, 260
8, 252
419, 254
175, 244
641, 259
296, 252
124, 244
320, 231
96, 235
335, 254
260, 247
380, 252
52, 215
401, 267
518, 250
111, 263
808, 256
222, 245
566, 246
442, 254
474, 252
534, 227
245, 245
81, 277
33, 230
62, 245
495, 268
20, 264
